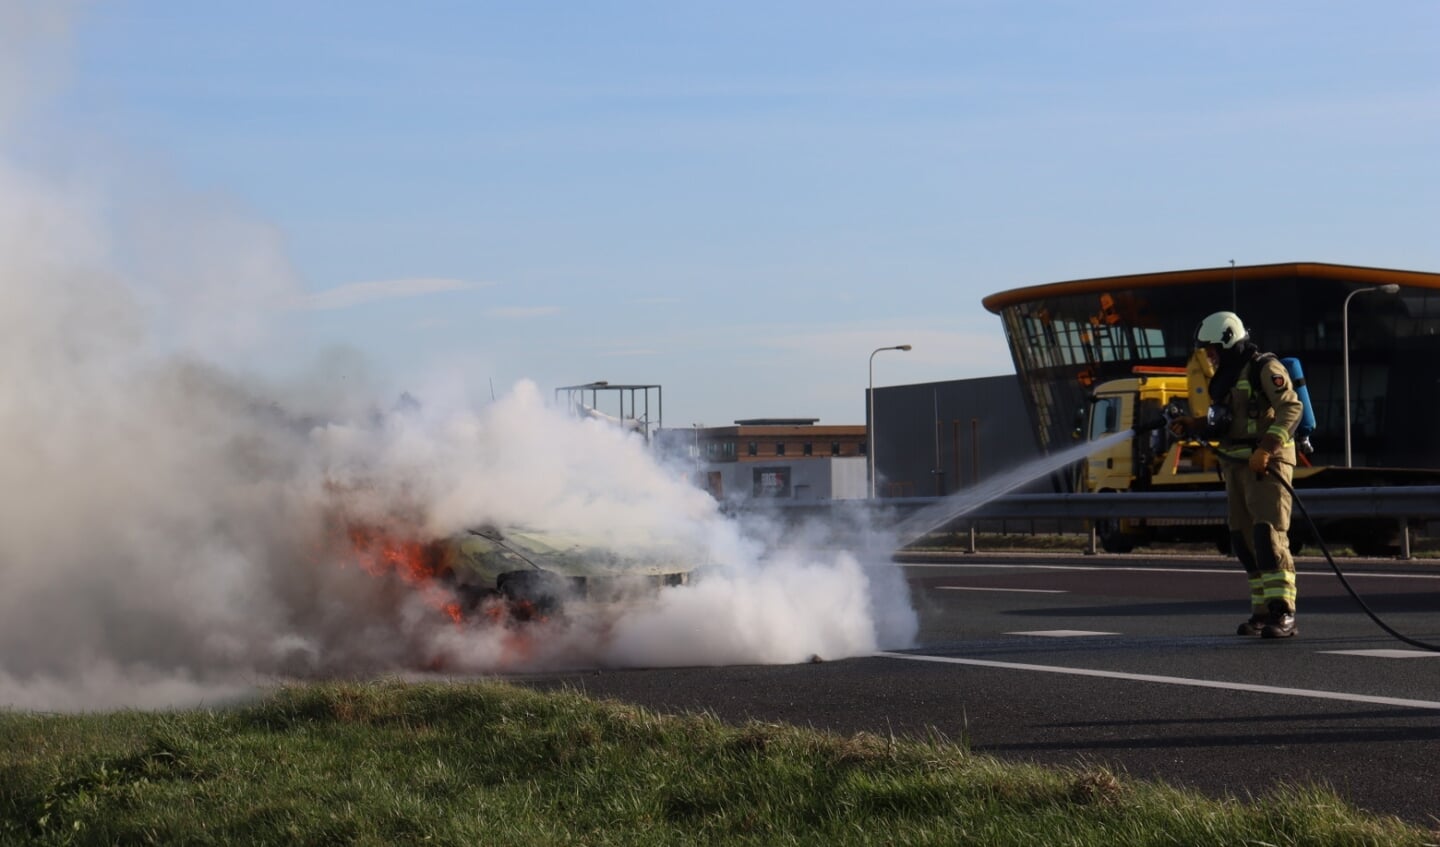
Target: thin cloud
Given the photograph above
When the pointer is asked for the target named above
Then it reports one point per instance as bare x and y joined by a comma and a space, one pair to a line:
357, 293
635, 351
521, 312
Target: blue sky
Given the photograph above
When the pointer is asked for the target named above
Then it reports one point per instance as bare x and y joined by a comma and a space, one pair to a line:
736, 201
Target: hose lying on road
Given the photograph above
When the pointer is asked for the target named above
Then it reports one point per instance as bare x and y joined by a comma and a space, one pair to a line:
1315, 531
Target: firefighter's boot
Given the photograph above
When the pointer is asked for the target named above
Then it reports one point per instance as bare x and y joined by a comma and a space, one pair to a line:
1254, 626
1281, 623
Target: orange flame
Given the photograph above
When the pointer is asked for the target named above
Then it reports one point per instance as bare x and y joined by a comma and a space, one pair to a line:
416, 563
423, 567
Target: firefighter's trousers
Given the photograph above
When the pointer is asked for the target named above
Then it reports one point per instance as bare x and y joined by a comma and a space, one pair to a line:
1259, 520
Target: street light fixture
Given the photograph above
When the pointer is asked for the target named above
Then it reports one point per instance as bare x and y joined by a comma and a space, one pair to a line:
870, 430
1391, 288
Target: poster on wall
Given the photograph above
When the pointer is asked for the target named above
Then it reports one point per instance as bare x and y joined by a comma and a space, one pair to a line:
772, 482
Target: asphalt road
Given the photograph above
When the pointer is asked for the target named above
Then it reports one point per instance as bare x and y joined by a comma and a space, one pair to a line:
1129, 663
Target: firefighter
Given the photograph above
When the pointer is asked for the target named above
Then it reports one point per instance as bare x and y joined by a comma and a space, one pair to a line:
1253, 415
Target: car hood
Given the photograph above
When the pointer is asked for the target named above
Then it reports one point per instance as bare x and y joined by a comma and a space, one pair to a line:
486, 553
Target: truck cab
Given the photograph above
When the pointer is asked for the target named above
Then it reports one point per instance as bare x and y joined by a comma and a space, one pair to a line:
1153, 458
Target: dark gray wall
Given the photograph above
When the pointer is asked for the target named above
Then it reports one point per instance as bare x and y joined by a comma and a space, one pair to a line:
982, 426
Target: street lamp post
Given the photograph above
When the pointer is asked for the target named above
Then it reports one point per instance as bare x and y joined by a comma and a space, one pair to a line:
870, 429
1391, 288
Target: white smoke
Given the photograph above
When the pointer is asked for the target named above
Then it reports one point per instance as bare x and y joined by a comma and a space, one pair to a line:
519, 463
167, 524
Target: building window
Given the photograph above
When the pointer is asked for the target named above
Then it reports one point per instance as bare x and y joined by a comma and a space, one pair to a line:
1149, 343
1104, 417
779, 448
809, 449
834, 448
753, 449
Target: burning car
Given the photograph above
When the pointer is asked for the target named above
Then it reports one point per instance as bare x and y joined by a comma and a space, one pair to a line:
548, 569
523, 574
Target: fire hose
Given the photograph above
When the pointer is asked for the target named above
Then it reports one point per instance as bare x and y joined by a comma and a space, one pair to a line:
1170, 414
1339, 574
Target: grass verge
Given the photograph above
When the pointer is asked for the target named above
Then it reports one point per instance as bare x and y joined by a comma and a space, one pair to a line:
487, 763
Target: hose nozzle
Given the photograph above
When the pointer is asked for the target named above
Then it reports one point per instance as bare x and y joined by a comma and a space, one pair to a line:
1168, 415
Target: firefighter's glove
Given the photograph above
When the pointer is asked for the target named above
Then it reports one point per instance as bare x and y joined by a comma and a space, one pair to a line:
1182, 426
1259, 461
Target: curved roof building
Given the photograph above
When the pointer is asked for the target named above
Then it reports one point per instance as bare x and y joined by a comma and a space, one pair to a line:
1067, 336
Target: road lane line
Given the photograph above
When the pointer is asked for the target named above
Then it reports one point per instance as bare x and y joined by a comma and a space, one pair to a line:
1173, 680
1385, 654
1017, 590
1062, 633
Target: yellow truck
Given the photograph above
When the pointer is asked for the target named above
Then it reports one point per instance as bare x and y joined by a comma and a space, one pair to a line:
1155, 460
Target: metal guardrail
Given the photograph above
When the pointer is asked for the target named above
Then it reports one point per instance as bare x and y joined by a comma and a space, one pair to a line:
1414, 501
1402, 504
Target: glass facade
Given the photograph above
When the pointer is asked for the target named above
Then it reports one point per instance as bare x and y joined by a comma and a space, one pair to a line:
1067, 337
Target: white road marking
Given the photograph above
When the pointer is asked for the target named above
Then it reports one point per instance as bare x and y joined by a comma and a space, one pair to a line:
1061, 633
1175, 680
1019, 590
1386, 654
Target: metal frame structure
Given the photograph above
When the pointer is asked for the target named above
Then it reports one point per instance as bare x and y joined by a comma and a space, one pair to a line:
574, 402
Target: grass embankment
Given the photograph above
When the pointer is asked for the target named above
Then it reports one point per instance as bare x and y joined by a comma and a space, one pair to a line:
485, 763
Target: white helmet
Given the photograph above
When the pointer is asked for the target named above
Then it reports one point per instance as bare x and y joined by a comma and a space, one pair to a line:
1222, 328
